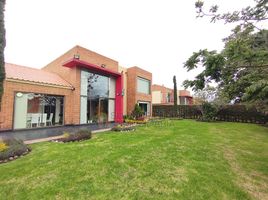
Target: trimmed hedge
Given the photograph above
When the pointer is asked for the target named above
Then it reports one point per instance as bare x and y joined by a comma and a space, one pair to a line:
231, 113
183, 111
240, 113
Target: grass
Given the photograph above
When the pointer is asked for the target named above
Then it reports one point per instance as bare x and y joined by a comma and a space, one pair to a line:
173, 160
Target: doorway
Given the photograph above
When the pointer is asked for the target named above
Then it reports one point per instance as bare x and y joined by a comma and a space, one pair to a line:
145, 107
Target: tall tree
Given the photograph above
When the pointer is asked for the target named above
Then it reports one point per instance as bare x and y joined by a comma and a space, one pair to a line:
241, 68
245, 17
2, 47
175, 92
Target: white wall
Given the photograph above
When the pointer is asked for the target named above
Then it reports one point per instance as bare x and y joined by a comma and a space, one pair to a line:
21, 105
156, 97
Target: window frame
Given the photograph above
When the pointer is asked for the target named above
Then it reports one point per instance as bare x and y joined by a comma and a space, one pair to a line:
44, 94
143, 79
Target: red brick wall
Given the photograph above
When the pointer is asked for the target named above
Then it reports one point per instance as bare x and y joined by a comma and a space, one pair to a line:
72, 97
7, 110
164, 91
132, 94
72, 75
184, 93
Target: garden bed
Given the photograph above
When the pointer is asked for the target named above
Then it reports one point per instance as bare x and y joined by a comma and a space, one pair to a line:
12, 149
124, 127
80, 135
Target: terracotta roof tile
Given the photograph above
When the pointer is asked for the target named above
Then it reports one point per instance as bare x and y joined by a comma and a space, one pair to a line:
34, 75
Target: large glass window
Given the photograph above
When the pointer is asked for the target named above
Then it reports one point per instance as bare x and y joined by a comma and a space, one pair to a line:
37, 110
98, 86
97, 98
183, 100
143, 85
168, 98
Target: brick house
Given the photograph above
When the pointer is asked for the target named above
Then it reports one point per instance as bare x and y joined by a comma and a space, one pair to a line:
139, 90
79, 87
165, 96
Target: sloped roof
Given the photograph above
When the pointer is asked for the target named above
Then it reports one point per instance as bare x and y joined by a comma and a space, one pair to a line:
18, 72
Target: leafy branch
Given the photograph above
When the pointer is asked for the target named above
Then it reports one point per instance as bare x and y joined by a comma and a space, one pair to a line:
246, 16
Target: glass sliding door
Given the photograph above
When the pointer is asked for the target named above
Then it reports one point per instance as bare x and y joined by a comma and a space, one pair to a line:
37, 110
96, 93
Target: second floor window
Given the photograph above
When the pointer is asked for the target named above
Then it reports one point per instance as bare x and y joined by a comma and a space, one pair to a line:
143, 86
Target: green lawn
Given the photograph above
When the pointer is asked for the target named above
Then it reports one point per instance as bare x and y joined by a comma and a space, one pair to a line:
176, 160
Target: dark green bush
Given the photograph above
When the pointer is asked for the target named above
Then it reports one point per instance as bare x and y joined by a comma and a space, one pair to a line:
80, 135
137, 112
209, 111
15, 148
128, 117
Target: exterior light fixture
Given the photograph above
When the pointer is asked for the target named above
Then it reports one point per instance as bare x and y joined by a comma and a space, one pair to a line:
19, 94
76, 56
103, 65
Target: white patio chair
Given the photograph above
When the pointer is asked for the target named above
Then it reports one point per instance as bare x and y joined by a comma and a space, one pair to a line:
43, 119
49, 121
28, 120
35, 119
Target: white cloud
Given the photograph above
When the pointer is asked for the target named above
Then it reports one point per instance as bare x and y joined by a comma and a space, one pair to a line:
157, 35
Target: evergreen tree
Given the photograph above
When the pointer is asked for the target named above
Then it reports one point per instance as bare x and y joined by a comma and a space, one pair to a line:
175, 93
2, 47
241, 68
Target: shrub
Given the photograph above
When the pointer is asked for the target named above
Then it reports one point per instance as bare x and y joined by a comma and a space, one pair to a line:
123, 128
80, 135
83, 134
15, 148
137, 112
128, 117
133, 121
209, 111
3, 146
66, 134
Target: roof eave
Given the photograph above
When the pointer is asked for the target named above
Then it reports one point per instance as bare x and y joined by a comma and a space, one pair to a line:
39, 83
95, 68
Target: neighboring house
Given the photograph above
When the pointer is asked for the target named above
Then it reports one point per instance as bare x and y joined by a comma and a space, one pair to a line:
184, 97
162, 95
139, 90
165, 96
79, 87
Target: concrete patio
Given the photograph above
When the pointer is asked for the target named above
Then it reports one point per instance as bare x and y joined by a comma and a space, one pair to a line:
41, 134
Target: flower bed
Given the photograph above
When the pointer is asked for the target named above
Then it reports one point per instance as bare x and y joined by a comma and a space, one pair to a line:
78, 136
11, 149
124, 127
